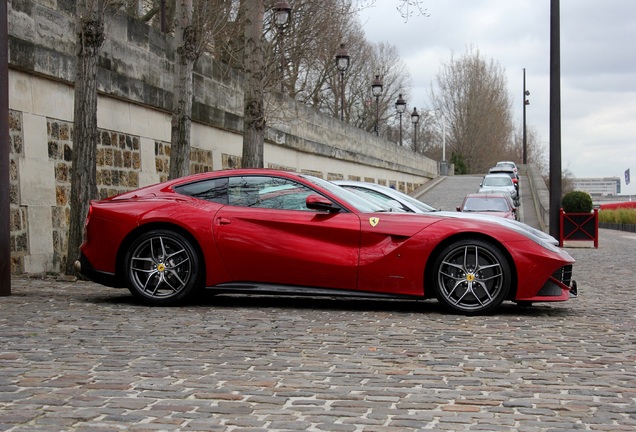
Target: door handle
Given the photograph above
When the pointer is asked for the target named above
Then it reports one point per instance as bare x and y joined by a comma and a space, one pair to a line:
224, 221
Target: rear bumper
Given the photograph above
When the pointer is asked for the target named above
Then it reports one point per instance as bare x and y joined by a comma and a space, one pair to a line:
86, 269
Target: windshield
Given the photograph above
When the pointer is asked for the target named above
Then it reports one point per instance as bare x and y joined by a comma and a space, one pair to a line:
497, 181
355, 201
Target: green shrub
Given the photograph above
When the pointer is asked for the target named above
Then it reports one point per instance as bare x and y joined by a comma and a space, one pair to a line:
618, 216
577, 202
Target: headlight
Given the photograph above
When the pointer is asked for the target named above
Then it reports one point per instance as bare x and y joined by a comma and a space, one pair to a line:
538, 236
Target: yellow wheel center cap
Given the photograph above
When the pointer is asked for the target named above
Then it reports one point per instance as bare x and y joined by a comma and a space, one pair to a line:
470, 277
161, 267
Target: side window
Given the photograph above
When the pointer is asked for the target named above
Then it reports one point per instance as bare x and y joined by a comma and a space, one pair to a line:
214, 190
267, 192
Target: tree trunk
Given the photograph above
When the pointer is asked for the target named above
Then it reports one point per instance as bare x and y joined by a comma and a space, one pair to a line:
85, 136
254, 114
182, 91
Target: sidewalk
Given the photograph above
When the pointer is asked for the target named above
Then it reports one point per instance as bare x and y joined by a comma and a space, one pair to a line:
75, 356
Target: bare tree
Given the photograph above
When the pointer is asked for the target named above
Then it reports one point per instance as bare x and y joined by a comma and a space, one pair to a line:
182, 90
397, 80
315, 35
153, 12
406, 8
300, 61
198, 22
254, 109
90, 38
536, 150
472, 97
311, 41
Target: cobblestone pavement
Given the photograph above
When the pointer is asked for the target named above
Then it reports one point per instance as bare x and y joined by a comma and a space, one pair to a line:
75, 356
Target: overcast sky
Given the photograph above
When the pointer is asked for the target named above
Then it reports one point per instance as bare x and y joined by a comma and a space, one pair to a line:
598, 67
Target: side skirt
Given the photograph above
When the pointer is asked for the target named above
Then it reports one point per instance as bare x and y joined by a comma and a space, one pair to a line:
252, 288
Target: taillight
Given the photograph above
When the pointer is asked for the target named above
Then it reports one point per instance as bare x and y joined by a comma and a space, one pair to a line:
85, 230
88, 215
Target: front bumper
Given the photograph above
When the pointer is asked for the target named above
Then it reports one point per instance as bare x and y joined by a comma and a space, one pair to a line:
559, 287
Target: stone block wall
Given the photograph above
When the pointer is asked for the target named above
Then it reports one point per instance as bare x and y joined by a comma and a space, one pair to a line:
18, 224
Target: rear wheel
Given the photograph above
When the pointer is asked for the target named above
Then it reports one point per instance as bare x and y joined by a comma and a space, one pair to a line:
162, 268
471, 277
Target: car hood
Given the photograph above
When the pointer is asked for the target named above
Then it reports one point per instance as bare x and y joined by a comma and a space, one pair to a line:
409, 223
510, 223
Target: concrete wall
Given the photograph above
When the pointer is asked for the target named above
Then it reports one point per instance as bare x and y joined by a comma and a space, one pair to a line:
134, 82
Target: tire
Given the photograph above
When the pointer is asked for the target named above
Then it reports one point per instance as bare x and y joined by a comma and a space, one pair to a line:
471, 277
162, 268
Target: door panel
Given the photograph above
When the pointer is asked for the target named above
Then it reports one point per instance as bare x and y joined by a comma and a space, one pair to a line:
291, 247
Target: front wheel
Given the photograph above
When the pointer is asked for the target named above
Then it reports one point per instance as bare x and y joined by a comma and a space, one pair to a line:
471, 277
162, 268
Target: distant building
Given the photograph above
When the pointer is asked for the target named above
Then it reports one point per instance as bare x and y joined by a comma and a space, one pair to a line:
607, 186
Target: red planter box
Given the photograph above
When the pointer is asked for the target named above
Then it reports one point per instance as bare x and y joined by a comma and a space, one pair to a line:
579, 227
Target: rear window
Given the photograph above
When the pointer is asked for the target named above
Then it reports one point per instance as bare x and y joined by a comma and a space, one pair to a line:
214, 190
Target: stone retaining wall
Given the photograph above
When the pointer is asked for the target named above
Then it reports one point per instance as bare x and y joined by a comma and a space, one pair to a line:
134, 81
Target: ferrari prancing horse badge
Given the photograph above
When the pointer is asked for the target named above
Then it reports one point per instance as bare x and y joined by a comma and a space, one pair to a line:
373, 221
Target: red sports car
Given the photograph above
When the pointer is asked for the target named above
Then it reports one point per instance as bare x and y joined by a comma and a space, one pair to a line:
276, 232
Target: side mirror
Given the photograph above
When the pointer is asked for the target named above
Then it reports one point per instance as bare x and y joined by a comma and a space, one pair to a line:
459, 209
318, 202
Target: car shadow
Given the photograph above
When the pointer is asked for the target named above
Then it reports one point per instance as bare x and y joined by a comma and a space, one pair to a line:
338, 304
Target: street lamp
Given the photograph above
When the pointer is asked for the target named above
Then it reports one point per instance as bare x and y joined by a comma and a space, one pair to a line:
443, 165
400, 106
342, 63
415, 118
441, 116
525, 102
282, 11
376, 90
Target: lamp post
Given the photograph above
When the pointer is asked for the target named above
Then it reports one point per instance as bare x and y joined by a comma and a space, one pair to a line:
281, 17
400, 106
555, 119
525, 102
376, 90
443, 165
415, 118
342, 63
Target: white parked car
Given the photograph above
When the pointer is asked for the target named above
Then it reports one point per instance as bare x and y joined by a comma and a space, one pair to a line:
508, 164
391, 197
498, 183
412, 205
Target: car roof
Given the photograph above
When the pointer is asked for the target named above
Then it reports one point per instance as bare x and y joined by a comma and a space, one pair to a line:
497, 175
488, 195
